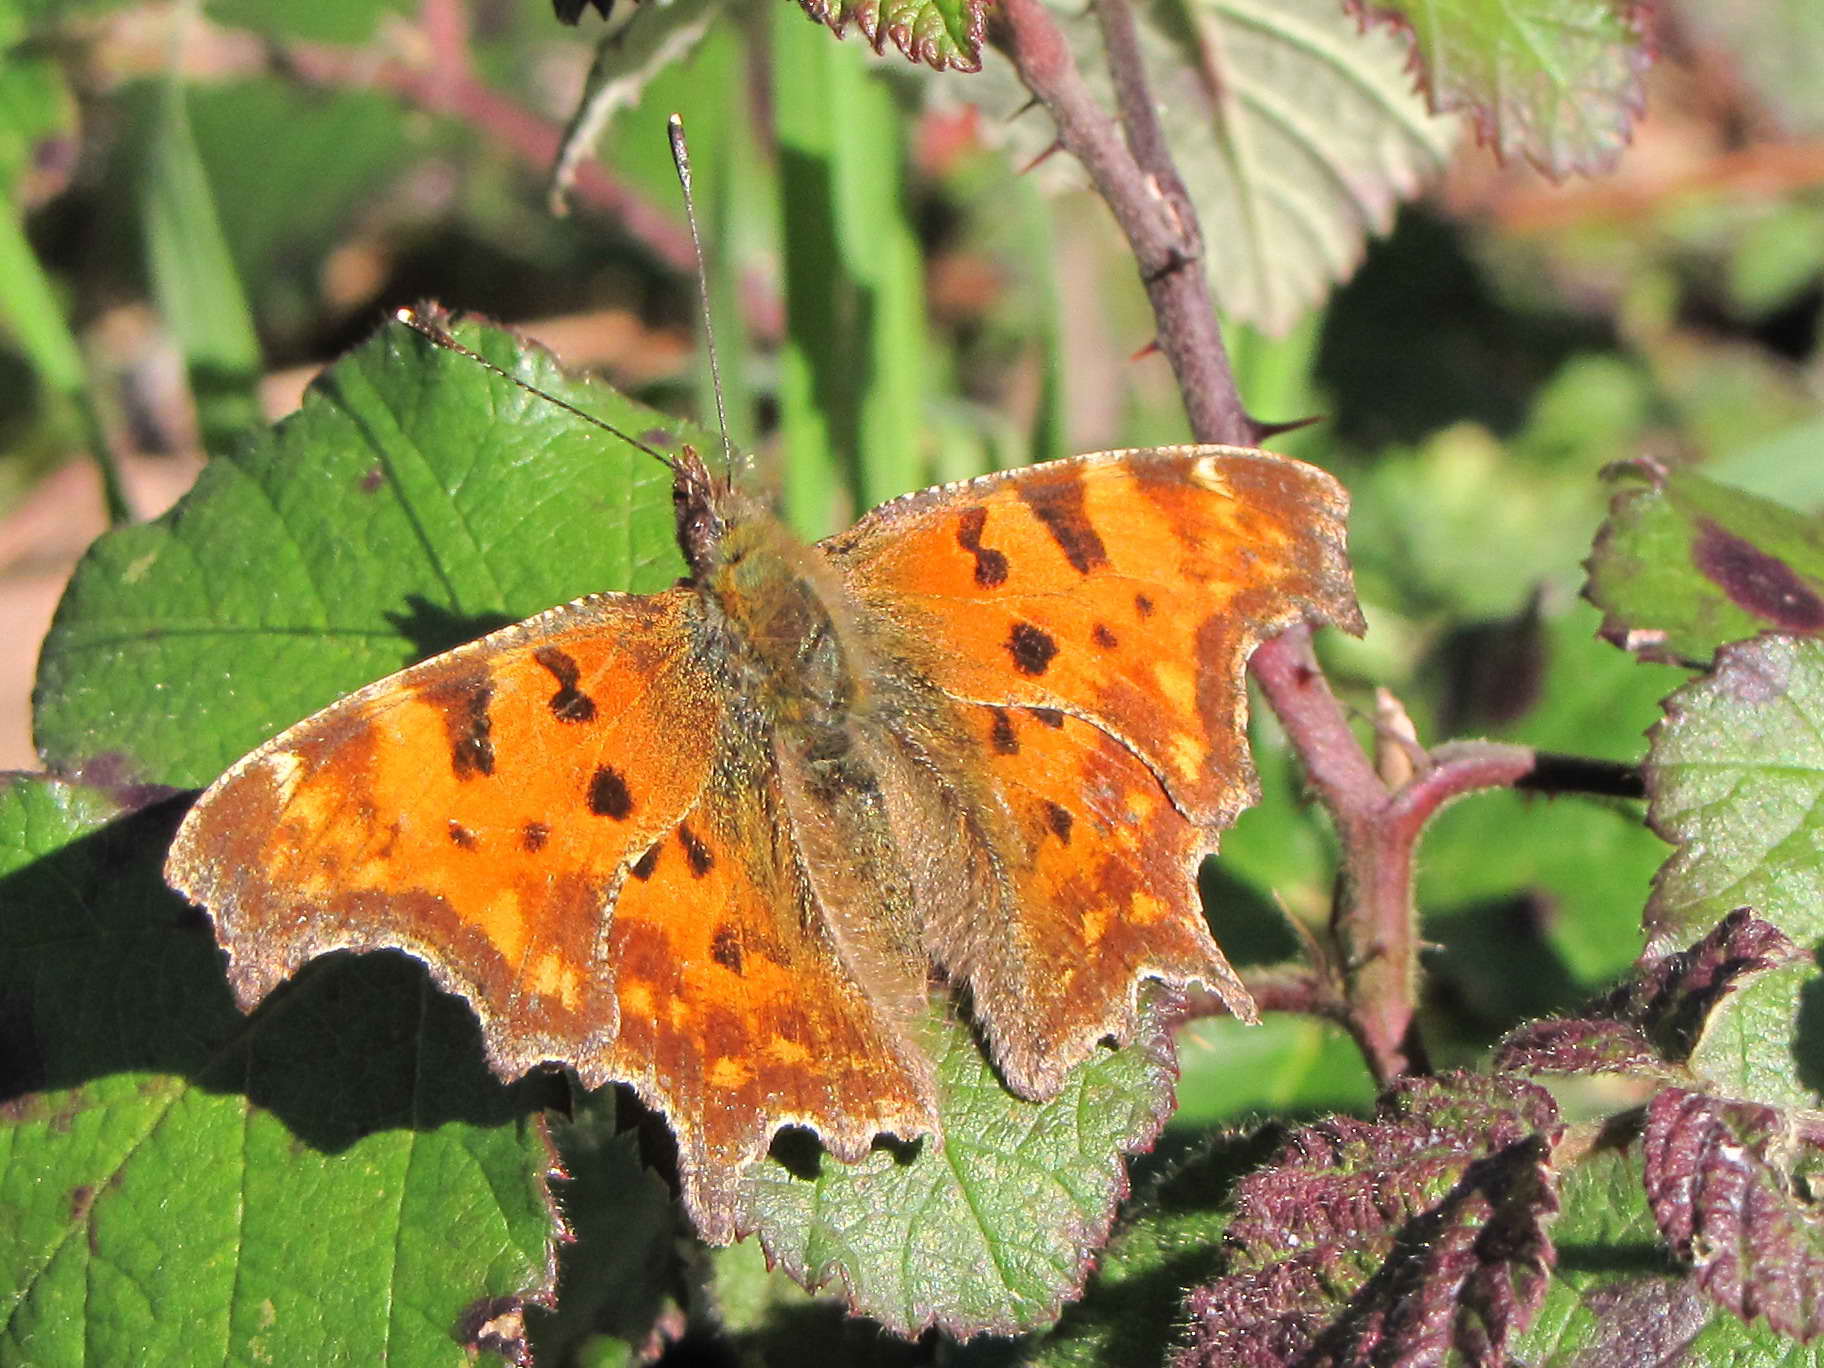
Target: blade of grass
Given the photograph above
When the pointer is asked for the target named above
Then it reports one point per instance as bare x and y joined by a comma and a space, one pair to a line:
44, 335
193, 275
851, 376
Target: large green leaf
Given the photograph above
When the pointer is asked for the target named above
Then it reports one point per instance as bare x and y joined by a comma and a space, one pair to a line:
415, 501
335, 1179
1557, 82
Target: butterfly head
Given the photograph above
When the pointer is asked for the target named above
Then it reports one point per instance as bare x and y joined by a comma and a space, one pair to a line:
708, 507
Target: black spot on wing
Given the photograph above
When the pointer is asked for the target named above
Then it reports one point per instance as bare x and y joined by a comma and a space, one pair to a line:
1056, 497
1032, 649
1001, 734
568, 704
608, 795
460, 836
1143, 605
725, 949
532, 837
464, 701
1048, 717
1104, 638
990, 565
643, 867
695, 852
1059, 820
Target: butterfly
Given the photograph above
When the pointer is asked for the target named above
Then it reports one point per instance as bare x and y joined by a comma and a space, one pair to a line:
717, 842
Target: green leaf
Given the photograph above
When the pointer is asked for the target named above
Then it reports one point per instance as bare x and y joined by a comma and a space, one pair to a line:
989, 1229
1170, 1239
1557, 82
334, 1178
1297, 136
1736, 775
414, 502
939, 33
1683, 565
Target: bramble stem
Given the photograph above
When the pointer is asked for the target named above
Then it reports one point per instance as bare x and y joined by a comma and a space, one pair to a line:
1133, 173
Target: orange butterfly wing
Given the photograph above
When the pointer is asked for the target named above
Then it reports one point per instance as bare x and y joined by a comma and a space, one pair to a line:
1091, 620
559, 821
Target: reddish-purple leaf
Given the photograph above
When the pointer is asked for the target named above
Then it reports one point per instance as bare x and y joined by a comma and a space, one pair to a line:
1650, 1024
1731, 1185
1396, 1240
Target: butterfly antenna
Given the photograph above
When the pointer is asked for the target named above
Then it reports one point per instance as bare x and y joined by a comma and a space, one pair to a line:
411, 319
680, 158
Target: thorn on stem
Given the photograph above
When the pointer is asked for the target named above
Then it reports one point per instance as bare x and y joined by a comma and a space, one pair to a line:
1057, 146
1262, 431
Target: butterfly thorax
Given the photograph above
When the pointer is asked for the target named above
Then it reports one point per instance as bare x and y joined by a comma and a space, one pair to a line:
784, 621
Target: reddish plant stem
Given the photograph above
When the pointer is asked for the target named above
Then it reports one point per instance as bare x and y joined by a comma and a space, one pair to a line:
534, 140
1375, 923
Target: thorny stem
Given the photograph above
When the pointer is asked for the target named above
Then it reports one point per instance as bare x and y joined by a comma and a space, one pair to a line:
1375, 926
1134, 175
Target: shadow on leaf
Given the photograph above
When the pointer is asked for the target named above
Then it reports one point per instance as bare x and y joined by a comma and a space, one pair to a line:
113, 973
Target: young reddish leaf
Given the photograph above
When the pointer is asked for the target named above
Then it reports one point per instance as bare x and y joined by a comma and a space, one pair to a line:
1730, 1184
1557, 82
1651, 1024
1683, 565
939, 33
1397, 1240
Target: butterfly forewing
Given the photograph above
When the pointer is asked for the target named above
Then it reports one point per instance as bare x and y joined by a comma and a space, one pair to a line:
1090, 621
478, 810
